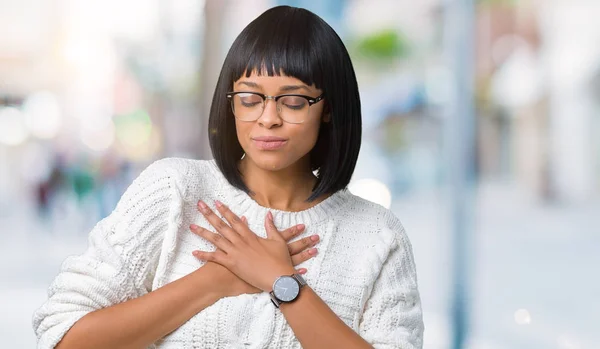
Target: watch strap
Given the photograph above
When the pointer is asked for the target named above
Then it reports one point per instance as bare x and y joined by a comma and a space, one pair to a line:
300, 279
276, 302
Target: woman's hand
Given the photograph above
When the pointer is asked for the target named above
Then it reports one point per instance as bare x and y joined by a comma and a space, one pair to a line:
232, 285
255, 260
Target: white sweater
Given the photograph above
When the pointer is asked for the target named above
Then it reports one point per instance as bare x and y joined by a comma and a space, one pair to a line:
364, 269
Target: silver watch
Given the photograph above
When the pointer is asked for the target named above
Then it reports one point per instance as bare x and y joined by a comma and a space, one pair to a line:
286, 289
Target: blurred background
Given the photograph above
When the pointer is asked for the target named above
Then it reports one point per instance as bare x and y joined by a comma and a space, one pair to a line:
481, 132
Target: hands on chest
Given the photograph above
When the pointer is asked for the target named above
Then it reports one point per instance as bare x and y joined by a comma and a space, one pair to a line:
244, 262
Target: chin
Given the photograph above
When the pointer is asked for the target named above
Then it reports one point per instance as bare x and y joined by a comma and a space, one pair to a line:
271, 161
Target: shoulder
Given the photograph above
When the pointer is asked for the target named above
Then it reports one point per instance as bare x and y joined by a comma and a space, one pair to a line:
374, 220
181, 172
372, 214
165, 179
174, 167
382, 237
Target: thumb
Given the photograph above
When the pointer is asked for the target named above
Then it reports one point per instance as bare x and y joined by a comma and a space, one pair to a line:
272, 232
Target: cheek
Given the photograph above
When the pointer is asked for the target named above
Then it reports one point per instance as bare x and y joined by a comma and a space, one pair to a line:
306, 139
313, 135
309, 132
242, 132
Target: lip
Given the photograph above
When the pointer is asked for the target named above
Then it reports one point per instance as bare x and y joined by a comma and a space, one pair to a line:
269, 142
268, 139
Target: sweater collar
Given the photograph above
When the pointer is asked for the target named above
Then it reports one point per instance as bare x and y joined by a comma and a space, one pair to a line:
242, 203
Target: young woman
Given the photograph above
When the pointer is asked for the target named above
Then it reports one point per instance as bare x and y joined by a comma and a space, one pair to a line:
203, 254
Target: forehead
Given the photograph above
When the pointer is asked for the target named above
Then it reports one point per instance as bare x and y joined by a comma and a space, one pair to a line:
275, 82
266, 79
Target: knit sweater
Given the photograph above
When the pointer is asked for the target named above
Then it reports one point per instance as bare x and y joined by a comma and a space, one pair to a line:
364, 270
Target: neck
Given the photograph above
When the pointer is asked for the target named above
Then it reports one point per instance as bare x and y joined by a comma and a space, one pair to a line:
285, 190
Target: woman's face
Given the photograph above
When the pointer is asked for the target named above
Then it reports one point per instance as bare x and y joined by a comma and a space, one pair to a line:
270, 142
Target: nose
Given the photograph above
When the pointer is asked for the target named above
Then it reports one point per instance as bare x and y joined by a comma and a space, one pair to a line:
270, 117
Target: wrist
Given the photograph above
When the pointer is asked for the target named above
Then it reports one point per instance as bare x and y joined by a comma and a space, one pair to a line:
207, 290
276, 273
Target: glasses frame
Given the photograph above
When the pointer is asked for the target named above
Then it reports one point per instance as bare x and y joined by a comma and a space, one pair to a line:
311, 101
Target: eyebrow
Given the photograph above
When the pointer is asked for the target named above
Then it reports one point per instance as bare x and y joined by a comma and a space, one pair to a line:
288, 88
248, 83
285, 88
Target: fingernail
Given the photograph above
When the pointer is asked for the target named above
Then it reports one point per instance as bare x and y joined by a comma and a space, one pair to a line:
195, 253
270, 215
315, 238
202, 206
193, 226
300, 227
312, 251
218, 203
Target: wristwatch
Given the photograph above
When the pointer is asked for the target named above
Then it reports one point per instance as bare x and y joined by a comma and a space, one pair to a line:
286, 289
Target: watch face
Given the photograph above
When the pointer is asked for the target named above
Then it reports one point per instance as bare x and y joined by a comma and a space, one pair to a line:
286, 288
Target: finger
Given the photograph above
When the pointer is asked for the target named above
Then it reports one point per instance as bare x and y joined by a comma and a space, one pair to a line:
216, 221
234, 221
302, 244
301, 271
244, 220
304, 256
272, 232
217, 256
216, 239
292, 232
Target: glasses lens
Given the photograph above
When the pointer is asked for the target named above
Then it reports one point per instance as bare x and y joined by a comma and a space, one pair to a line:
247, 106
292, 108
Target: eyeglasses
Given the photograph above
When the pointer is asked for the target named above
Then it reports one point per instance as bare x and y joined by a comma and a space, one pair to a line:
292, 108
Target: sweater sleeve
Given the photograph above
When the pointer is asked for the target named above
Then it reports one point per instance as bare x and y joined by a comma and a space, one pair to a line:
393, 317
122, 254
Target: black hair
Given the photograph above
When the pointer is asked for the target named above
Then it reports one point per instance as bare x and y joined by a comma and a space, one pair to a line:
297, 43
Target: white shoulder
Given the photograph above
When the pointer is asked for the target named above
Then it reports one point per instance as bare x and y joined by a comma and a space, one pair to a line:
377, 217
170, 171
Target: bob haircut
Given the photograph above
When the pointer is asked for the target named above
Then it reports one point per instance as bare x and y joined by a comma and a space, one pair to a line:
297, 43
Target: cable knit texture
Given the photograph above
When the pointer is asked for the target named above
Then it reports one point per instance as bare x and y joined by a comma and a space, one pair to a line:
364, 271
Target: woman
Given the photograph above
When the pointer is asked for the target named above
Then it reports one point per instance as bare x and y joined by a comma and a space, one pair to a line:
202, 254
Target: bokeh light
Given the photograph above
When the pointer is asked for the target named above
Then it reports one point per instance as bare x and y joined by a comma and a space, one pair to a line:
134, 129
372, 190
522, 317
12, 127
43, 115
98, 138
